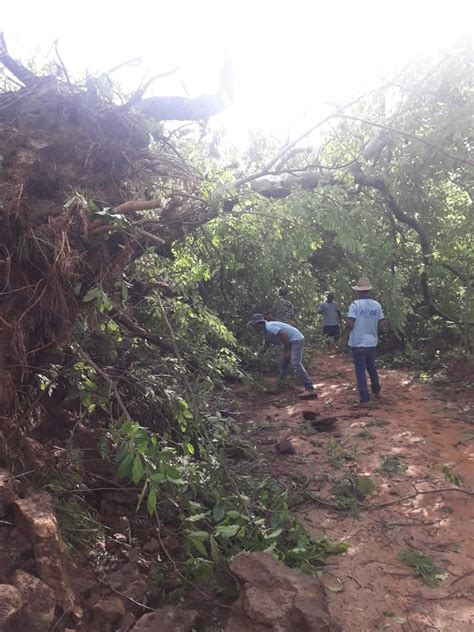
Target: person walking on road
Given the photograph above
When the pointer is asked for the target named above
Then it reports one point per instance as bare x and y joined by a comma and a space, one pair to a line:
364, 319
282, 334
331, 320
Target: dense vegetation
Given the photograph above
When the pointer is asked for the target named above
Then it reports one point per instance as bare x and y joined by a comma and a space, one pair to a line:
134, 251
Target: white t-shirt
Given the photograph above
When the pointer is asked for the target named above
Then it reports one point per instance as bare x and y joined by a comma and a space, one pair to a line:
366, 312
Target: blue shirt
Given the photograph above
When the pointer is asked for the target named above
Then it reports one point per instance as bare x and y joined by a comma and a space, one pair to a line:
272, 327
366, 312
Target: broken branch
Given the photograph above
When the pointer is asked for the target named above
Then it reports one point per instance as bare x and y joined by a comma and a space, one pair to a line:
17, 69
137, 205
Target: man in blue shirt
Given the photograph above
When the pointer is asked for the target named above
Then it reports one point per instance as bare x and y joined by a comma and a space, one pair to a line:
364, 319
292, 340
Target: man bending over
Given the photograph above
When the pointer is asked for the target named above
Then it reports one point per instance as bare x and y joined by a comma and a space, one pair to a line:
292, 340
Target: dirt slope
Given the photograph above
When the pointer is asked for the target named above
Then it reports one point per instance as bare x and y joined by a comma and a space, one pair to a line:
425, 428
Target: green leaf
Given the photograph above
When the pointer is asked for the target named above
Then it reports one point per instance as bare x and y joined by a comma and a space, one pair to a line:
124, 465
197, 539
171, 472
273, 534
151, 502
199, 546
214, 548
271, 547
91, 294
124, 289
198, 535
227, 531
137, 469
235, 515
189, 448
158, 477
197, 517
218, 511
400, 620
336, 589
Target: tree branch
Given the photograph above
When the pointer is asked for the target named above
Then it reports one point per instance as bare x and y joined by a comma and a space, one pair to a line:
173, 108
137, 95
82, 354
134, 328
63, 66
465, 161
17, 69
464, 277
137, 205
378, 183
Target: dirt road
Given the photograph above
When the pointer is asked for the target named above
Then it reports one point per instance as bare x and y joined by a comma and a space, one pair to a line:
402, 444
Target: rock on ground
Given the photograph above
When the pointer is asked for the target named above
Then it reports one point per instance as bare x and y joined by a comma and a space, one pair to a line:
277, 598
10, 605
167, 619
284, 446
35, 517
108, 610
39, 602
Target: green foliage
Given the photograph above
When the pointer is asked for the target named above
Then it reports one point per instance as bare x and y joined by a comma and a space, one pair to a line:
365, 434
352, 491
214, 521
423, 567
85, 386
377, 423
392, 465
452, 476
78, 524
336, 453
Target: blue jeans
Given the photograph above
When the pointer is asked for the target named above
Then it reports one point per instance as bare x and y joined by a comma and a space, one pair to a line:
296, 361
364, 358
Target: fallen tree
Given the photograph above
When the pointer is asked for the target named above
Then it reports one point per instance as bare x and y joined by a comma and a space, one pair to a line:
75, 169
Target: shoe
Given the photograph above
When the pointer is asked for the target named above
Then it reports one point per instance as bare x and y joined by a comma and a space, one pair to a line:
377, 395
309, 394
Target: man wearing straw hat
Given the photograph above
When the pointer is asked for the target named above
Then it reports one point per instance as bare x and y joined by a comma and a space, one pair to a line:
364, 319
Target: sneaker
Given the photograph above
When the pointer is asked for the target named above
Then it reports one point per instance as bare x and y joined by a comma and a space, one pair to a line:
309, 394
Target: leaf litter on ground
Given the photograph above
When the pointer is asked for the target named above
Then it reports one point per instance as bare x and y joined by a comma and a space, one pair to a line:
423, 566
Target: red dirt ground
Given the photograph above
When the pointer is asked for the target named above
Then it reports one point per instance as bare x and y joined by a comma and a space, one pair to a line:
426, 428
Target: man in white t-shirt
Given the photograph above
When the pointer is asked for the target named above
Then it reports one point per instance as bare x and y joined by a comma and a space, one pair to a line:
364, 319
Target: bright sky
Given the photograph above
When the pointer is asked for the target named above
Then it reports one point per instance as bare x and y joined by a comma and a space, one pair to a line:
288, 57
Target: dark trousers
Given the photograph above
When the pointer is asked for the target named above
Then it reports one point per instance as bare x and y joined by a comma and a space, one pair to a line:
364, 359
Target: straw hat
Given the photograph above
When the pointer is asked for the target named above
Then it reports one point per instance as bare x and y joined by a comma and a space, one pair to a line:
363, 285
